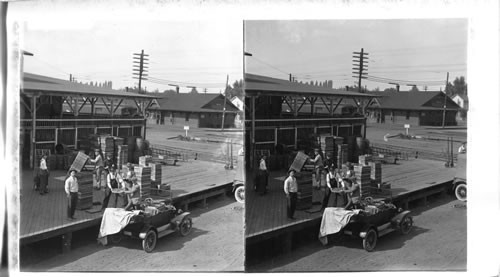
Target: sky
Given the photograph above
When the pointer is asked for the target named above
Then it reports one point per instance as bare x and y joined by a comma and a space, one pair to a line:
406, 51
185, 53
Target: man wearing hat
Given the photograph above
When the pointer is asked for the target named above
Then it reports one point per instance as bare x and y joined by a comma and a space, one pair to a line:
318, 165
71, 189
291, 189
114, 181
99, 167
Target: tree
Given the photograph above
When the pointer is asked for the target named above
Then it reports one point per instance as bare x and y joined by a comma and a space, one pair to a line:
459, 87
414, 89
390, 90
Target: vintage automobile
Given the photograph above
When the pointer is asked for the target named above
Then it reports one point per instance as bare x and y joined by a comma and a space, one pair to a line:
460, 181
239, 179
377, 217
156, 219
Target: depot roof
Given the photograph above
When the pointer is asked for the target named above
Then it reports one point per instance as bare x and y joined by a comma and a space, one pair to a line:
33, 83
257, 84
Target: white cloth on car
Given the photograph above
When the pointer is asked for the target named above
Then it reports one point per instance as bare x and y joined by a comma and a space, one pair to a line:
113, 221
334, 219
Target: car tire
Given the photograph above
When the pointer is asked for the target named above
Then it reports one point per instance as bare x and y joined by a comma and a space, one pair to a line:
185, 226
461, 192
149, 242
370, 240
239, 194
406, 225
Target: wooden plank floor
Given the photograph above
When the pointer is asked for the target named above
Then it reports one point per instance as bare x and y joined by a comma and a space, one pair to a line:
45, 213
268, 213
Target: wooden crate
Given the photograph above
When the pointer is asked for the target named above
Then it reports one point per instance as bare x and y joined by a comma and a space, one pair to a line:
79, 162
299, 161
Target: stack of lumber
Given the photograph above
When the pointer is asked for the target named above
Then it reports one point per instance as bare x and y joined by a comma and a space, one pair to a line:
365, 159
143, 174
107, 145
85, 194
145, 160
79, 161
376, 172
305, 191
121, 155
342, 154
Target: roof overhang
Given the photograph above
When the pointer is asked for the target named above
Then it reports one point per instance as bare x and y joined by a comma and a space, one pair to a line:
42, 85
261, 85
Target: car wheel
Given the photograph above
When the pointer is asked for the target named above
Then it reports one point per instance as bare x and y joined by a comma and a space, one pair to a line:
461, 192
116, 238
406, 225
370, 240
185, 226
239, 194
149, 242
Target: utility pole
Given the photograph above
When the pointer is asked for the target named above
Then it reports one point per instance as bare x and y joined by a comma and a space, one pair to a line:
360, 61
445, 97
224, 107
140, 67
290, 77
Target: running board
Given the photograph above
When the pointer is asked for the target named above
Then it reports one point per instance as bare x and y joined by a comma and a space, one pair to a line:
164, 233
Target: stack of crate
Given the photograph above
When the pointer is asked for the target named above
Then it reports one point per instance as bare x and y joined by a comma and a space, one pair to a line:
330, 147
305, 190
79, 161
143, 174
94, 142
342, 154
155, 174
376, 172
363, 176
107, 145
365, 159
145, 160
121, 155
85, 192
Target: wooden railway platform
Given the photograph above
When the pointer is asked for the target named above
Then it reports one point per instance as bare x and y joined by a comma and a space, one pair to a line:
266, 220
44, 216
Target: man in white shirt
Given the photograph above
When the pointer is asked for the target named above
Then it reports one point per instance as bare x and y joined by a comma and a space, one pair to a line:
318, 165
71, 188
99, 167
291, 189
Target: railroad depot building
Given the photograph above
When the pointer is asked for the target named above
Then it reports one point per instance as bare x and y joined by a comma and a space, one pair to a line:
280, 114
423, 108
194, 109
58, 112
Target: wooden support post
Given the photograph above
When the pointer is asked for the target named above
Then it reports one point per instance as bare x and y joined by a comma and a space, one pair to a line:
252, 132
33, 131
66, 242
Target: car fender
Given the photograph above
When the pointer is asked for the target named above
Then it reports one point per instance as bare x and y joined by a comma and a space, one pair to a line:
176, 220
365, 229
144, 231
458, 181
237, 184
396, 220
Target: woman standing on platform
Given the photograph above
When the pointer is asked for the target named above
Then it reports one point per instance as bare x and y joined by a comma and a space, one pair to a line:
71, 188
99, 167
44, 175
262, 176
